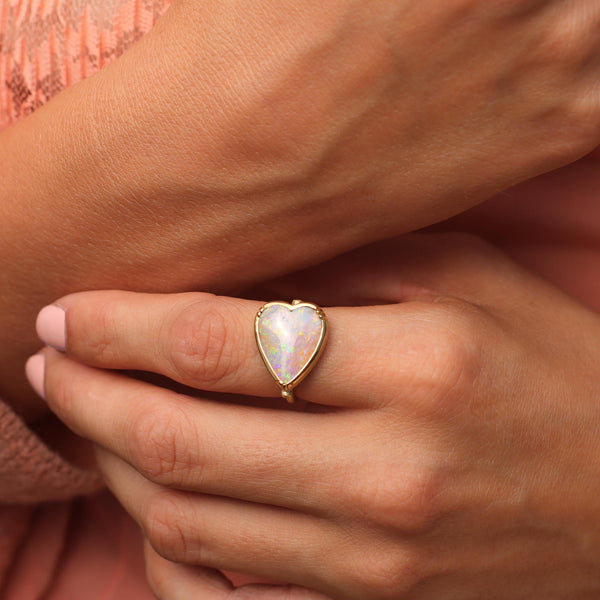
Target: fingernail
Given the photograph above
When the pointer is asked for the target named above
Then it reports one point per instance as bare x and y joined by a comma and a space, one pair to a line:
50, 326
34, 369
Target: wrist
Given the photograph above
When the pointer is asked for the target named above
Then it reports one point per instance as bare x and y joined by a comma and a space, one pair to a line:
47, 244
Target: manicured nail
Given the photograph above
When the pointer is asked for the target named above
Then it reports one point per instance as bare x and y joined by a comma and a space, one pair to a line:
50, 326
34, 369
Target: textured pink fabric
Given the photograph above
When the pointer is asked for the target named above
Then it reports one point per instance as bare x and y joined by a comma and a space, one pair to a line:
55, 545
32, 537
86, 549
47, 45
30, 471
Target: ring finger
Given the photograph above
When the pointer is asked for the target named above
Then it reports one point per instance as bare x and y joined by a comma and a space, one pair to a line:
223, 533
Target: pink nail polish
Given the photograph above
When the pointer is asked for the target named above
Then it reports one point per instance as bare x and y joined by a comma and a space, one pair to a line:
34, 369
50, 326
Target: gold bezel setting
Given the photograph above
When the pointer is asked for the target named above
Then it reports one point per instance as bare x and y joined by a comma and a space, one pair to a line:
287, 388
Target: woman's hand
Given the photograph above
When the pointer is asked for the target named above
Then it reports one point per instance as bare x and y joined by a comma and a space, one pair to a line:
449, 447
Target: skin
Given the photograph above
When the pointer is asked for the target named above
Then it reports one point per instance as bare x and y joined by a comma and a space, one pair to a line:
293, 137
550, 224
444, 449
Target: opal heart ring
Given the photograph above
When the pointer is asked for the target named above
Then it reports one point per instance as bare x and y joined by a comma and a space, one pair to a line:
290, 338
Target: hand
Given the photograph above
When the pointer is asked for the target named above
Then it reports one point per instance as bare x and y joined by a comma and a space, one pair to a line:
457, 454
233, 131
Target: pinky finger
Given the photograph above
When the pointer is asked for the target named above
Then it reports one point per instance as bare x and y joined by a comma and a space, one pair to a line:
174, 581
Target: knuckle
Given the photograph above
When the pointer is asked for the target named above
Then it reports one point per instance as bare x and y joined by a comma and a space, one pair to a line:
421, 503
201, 349
408, 500
454, 349
455, 344
98, 340
156, 445
163, 524
385, 574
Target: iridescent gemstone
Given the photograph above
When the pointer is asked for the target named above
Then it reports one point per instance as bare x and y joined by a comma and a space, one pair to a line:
289, 337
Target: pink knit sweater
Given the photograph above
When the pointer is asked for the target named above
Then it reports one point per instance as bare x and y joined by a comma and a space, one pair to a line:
57, 541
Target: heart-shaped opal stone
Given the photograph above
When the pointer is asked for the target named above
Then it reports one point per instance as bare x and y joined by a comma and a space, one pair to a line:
290, 338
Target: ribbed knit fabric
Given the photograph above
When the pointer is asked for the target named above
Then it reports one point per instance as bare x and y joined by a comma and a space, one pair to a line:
30, 472
58, 539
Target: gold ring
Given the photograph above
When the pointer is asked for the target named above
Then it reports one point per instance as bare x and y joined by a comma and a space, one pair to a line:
290, 339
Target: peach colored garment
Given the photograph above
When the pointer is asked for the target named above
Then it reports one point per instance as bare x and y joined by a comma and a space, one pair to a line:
47, 45
53, 546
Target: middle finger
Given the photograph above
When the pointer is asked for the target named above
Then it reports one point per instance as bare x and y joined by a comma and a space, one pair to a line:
285, 458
